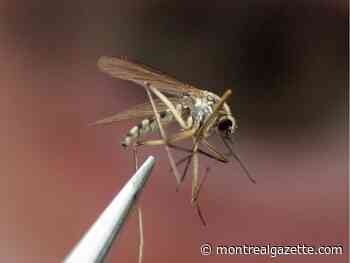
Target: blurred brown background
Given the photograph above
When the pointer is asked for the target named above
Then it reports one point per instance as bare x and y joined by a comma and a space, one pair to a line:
287, 63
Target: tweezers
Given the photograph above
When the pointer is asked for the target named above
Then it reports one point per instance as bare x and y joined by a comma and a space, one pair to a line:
95, 244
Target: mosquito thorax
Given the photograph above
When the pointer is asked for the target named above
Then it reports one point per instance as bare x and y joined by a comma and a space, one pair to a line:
201, 109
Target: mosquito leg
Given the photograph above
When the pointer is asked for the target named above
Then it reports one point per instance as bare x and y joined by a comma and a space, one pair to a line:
177, 137
197, 138
205, 176
183, 135
179, 162
238, 159
136, 161
225, 143
139, 213
169, 104
216, 110
196, 185
200, 214
196, 203
176, 147
189, 159
216, 153
141, 244
195, 168
163, 135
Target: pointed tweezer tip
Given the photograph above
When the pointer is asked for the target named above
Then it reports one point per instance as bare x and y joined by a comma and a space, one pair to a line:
95, 244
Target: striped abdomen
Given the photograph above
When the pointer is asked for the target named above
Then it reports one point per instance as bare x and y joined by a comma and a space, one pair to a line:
146, 126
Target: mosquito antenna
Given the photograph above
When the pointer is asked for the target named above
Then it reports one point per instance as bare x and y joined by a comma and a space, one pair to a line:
229, 145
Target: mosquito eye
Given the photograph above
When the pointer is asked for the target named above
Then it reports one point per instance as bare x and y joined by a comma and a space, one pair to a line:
225, 125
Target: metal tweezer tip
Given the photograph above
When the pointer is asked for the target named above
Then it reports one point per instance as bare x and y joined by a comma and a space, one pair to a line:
94, 245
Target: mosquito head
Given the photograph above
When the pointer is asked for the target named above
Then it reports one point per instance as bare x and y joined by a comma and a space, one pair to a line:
226, 125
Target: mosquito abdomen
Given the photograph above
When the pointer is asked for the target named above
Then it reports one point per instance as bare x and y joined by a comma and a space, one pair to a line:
146, 126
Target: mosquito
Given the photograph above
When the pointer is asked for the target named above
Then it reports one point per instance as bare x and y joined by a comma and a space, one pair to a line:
199, 113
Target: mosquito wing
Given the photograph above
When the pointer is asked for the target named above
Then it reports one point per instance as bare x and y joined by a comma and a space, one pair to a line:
140, 74
138, 111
